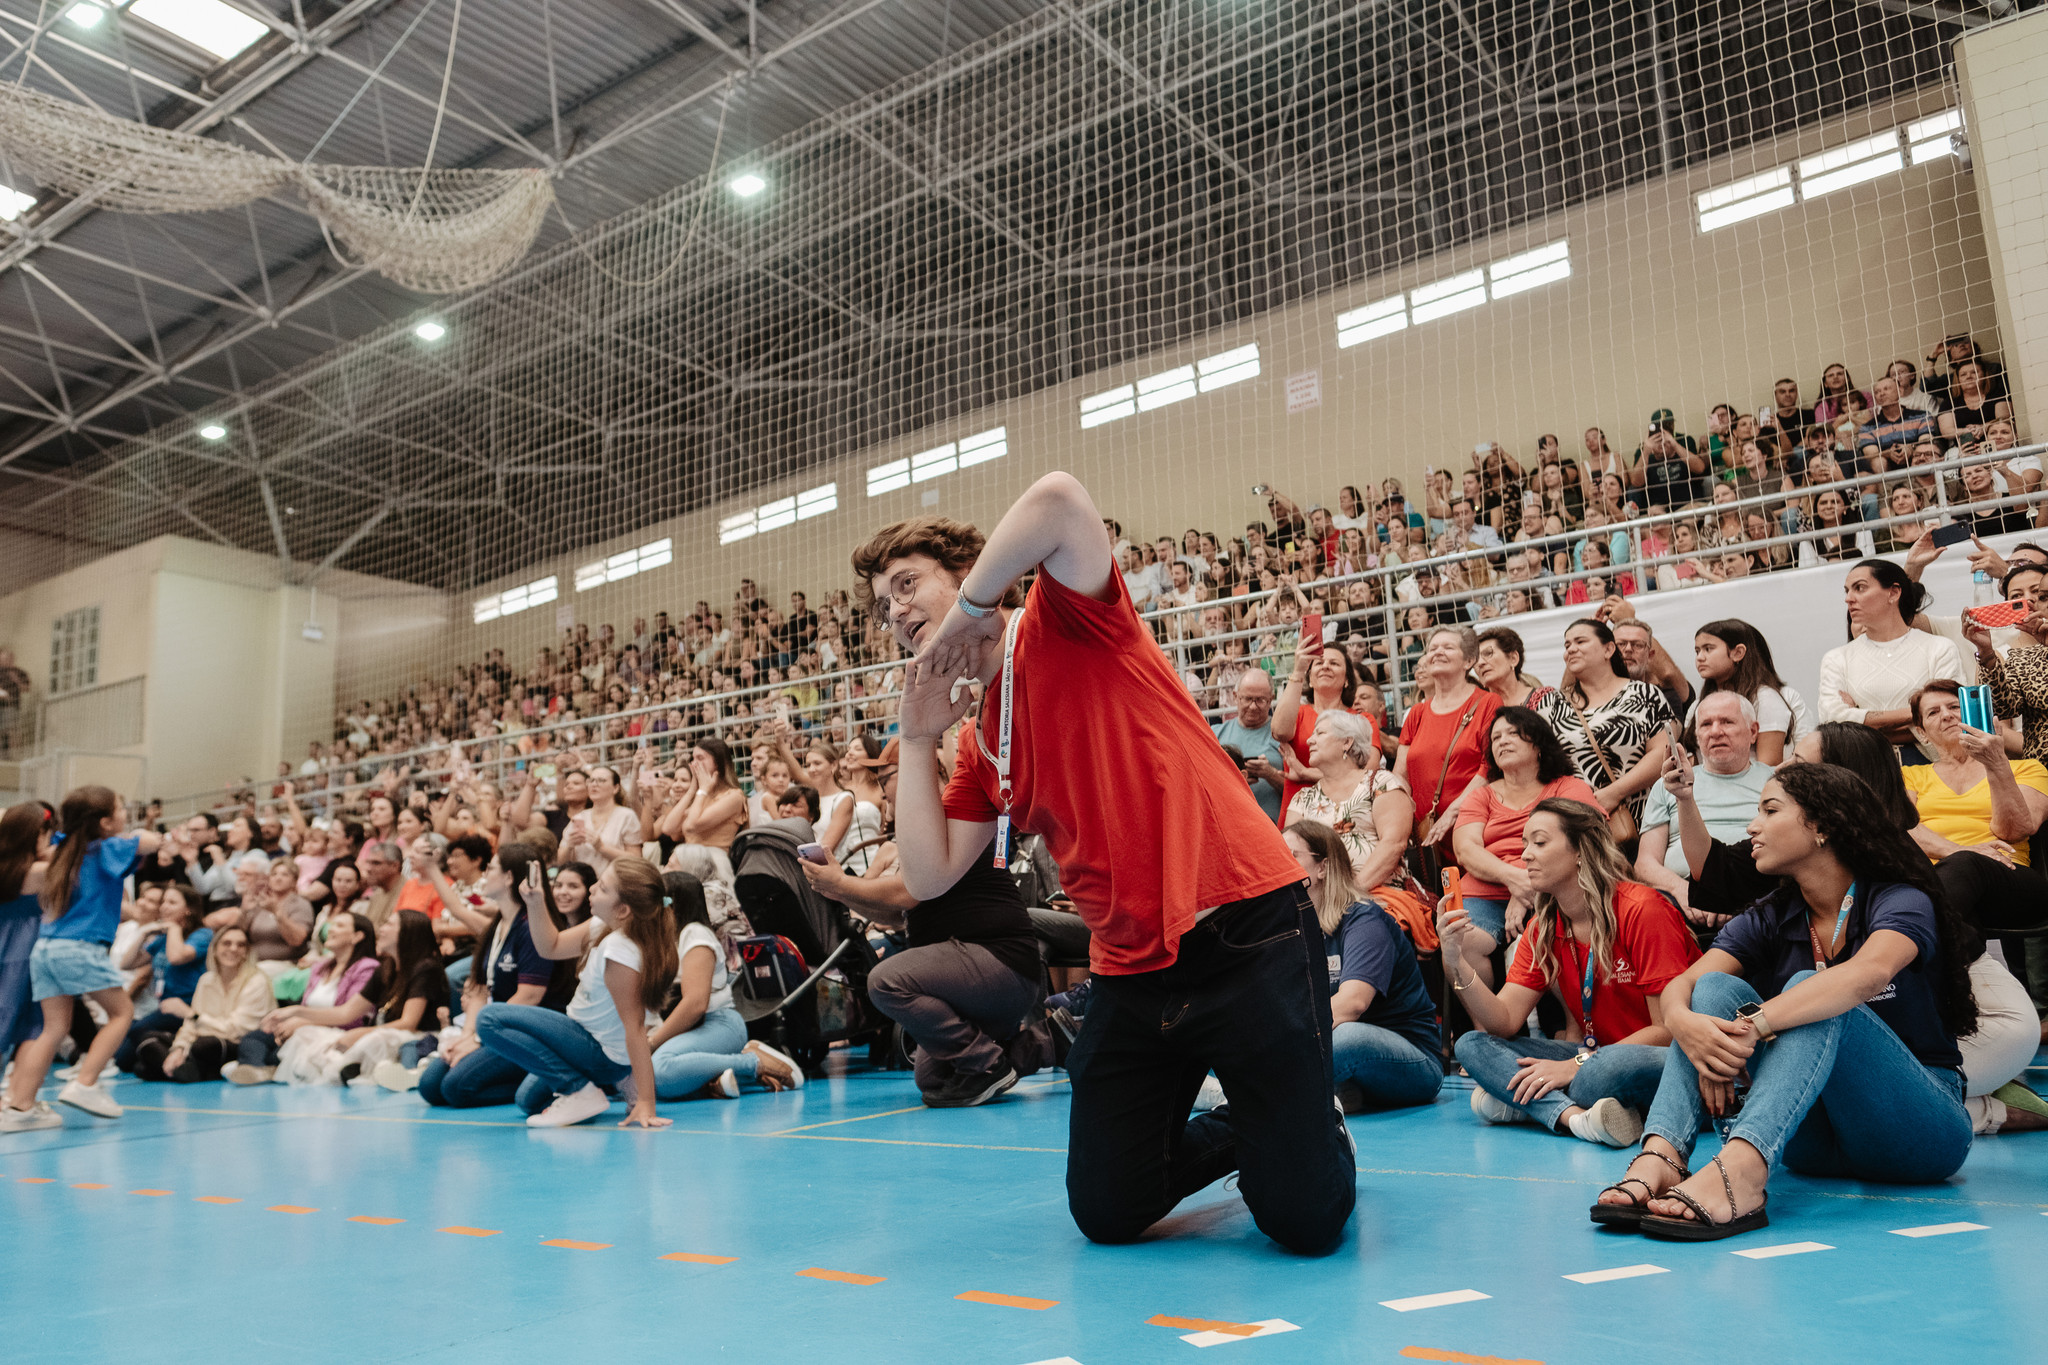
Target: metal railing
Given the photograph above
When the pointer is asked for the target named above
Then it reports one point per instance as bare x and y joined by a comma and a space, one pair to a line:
419, 762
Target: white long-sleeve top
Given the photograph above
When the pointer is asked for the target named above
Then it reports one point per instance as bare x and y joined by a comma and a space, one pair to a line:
1883, 677
216, 1014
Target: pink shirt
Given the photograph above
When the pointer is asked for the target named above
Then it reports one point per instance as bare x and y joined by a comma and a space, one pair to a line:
1500, 826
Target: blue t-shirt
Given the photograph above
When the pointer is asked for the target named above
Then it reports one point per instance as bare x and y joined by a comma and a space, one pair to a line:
177, 980
519, 963
1370, 947
1257, 743
94, 912
1772, 942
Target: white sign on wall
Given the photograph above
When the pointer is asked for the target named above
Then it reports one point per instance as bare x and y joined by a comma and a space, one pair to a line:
1304, 391
565, 617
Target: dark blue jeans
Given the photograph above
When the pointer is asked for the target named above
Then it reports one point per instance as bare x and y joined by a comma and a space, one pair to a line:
155, 1022
482, 1078
1249, 998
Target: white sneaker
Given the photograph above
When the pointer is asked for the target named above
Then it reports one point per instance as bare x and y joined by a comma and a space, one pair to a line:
65, 1073
1491, 1110
1210, 1096
241, 1073
567, 1110
91, 1098
395, 1075
795, 1079
1609, 1122
726, 1086
14, 1120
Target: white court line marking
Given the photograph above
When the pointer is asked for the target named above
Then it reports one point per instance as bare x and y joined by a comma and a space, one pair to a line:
1939, 1229
1269, 1328
1434, 1300
1788, 1249
1625, 1272
1057, 1360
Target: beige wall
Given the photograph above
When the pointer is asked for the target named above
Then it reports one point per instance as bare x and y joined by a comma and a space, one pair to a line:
2000, 69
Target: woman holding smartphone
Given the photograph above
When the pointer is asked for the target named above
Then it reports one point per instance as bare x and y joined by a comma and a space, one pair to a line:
1331, 682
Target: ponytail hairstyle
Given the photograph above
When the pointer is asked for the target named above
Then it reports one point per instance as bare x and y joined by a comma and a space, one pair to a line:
1336, 894
685, 895
1913, 597
650, 924
21, 837
78, 821
366, 941
515, 858
1602, 869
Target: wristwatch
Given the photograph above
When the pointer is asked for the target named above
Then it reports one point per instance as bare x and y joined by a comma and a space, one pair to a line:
973, 608
1754, 1013
1582, 1058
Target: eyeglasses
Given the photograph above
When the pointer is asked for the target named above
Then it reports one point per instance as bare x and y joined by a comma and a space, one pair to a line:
902, 591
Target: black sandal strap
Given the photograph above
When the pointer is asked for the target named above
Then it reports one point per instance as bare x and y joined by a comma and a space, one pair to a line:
1705, 1219
1727, 1187
1648, 1193
1683, 1174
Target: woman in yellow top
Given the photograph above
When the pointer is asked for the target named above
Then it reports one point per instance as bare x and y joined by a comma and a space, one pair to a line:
1974, 799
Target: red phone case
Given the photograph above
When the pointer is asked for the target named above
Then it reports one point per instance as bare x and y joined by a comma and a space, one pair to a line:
1312, 633
2001, 614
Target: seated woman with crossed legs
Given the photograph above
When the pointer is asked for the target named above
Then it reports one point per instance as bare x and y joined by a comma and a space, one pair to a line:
1841, 995
1608, 945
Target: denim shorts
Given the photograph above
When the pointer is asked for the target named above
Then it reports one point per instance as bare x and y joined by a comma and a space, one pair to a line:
70, 966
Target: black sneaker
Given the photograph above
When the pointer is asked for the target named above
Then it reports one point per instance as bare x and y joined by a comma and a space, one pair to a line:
1070, 1007
963, 1090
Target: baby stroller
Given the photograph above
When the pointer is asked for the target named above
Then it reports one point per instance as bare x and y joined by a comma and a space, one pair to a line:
803, 983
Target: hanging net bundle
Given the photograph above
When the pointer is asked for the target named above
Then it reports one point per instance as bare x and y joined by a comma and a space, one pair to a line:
437, 231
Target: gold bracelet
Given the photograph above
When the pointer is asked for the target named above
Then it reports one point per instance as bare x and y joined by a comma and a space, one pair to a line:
1458, 985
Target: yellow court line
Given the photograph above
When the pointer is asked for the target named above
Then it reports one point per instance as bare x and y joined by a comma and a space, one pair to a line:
857, 1118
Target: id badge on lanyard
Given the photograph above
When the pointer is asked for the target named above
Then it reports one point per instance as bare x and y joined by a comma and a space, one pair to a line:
1001, 757
1586, 1000
1820, 955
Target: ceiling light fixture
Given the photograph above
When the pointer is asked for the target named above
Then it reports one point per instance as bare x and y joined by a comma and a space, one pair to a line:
85, 16
430, 331
747, 185
213, 431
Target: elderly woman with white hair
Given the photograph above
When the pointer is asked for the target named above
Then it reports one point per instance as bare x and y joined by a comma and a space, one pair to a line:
1371, 810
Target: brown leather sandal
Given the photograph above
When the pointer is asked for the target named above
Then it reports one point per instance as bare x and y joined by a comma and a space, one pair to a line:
1629, 1216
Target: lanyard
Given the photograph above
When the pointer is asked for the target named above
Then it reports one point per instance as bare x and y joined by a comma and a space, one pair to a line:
1820, 957
1585, 986
1001, 757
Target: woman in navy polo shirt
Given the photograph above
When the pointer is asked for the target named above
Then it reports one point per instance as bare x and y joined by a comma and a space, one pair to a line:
1385, 1045
1840, 996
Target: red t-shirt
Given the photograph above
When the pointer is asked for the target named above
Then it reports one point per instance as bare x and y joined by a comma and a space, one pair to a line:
1425, 735
1111, 763
1652, 947
1500, 826
1304, 726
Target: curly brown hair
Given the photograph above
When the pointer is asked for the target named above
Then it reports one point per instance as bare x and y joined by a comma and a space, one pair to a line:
954, 544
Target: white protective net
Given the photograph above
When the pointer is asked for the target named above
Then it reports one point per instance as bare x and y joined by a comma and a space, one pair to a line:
437, 231
1324, 247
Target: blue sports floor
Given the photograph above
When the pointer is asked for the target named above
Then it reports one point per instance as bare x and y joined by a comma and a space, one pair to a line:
846, 1223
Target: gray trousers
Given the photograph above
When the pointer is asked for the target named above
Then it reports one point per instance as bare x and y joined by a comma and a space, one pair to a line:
957, 1002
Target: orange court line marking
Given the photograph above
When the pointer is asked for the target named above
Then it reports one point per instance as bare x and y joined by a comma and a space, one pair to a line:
566, 1244
38, 1180
289, 1208
1007, 1300
214, 1199
1459, 1357
698, 1258
1233, 1329
841, 1276
472, 1232
153, 1193
88, 1187
376, 1222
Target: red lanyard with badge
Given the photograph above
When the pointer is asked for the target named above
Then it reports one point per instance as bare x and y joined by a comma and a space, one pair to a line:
1001, 757
1585, 986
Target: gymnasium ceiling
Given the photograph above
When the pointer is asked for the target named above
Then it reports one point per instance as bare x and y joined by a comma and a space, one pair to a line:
996, 195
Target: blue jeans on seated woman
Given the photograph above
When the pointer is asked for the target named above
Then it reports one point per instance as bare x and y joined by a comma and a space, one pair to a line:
482, 1078
1488, 914
559, 1054
1837, 1097
1627, 1072
690, 1061
1389, 1071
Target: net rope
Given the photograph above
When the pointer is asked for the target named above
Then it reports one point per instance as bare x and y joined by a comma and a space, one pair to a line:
437, 231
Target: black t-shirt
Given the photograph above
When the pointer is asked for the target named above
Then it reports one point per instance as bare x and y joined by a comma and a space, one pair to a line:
429, 980
803, 626
1669, 480
983, 908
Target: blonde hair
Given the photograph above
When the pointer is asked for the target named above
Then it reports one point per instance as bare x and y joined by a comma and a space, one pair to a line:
232, 988
1602, 870
1336, 894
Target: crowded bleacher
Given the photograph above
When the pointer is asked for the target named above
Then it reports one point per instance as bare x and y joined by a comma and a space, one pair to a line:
435, 899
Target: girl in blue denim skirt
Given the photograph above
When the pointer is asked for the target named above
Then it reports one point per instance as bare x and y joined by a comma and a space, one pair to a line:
81, 909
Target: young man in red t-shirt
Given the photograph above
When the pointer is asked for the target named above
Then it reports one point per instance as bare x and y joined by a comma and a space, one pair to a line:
1204, 945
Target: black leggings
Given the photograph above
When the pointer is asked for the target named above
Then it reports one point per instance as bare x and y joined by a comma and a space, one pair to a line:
1996, 898
202, 1063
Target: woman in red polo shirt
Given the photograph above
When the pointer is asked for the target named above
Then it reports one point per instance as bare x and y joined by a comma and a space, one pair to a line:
1087, 737
1609, 946
1443, 740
